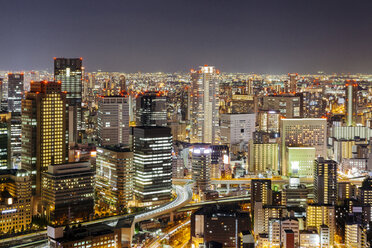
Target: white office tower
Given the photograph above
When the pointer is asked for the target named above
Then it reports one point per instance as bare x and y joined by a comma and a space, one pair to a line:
152, 148
204, 105
201, 167
113, 120
237, 128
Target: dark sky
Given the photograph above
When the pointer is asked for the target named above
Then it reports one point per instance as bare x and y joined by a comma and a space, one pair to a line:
276, 36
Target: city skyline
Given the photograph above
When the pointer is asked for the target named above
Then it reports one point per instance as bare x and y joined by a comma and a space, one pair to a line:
261, 37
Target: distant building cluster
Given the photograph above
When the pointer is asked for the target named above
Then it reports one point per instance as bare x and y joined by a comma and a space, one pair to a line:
78, 146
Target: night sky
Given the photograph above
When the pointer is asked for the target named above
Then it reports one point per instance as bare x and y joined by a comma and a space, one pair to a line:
277, 36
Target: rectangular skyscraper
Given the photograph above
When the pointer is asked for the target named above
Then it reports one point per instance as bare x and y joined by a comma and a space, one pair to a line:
43, 129
325, 181
69, 72
152, 147
114, 178
15, 91
151, 109
351, 102
204, 105
113, 120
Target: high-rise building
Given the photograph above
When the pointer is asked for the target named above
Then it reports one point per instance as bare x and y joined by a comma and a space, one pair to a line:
114, 177
68, 192
263, 157
318, 215
15, 132
43, 129
325, 181
292, 82
204, 105
237, 128
151, 109
15, 92
303, 133
351, 102
69, 72
261, 191
201, 167
15, 200
152, 148
4, 143
113, 120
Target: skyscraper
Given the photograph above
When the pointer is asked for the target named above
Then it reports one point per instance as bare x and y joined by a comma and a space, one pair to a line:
351, 102
43, 129
113, 120
325, 181
237, 128
152, 147
151, 109
305, 132
204, 105
201, 167
293, 82
69, 72
261, 191
15, 91
114, 177
4, 144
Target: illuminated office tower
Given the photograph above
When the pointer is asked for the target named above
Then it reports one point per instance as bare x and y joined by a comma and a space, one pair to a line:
68, 192
263, 157
318, 215
237, 128
69, 72
288, 105
261, 191
325, 181
201, 167
250, 88
15, 200
113, 120
4, 142
151, 109
292, 82
114, 177
15, 92
305, 132
351, 102
152, 148
15, 133
204, 105
268, 121
43, 129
